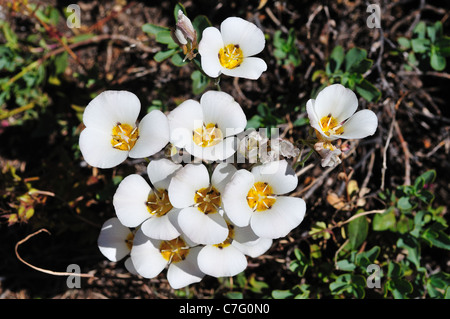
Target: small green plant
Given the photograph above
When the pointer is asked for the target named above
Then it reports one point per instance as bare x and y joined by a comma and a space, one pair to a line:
286, 51
348, 69
179, 54
428, 46
409, 221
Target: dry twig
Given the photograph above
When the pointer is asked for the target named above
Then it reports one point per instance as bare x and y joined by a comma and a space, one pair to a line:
51, 272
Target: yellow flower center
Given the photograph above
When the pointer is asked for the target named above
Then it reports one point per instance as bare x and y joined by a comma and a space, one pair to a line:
129, 240
207, 135
124, 136
330, 125
260, 197
207, 200
174, 250
158, 203
229, 239
231, 56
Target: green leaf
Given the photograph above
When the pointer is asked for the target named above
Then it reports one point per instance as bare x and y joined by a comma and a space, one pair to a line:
257, 286
405, 44
394, 270
385, 220
420, 45
254, 122
61, 62
357, 231
420, 30
177, 60
353, 284
404, 204
353, 57
363, 66
443, 46
428, 176
81, 37
282, 294
279, 54
365, 258
153, 29
412, 60
178, 7
345, 265
412, 246
335, 61
438, 284
368, 91
425, 196
404, 224
436, 236
200, 23
199, 82
165, 37
301, 264
400, 288
437, 61
434, 32
163, 55
234, 295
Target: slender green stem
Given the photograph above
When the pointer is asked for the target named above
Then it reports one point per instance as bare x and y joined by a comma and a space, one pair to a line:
16, 111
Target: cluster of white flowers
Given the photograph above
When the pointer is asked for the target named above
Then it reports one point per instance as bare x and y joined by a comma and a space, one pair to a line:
195, 222
204, 218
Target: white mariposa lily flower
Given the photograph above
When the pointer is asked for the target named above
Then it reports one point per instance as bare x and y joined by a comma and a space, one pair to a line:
201, 216
333, 115
115, 242
206, 130
228, 259
253, 198
150, 257
231, 50
136, 203
112, 134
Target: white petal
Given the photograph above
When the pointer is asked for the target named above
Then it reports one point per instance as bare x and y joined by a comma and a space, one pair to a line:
251, 68
153, 135
130, 200
186, 182
245, 235
234, 198
336, 100
221, 262
202, 228
111, 240
130, 267
220, 108
209, 48
146, 257
160, 228
161, 171
97, 150
312, 115
185, 272
255, 249
218, 152
247, 35
285, 214
222, 175
183, 120
110, 107
362, 124
278, 174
